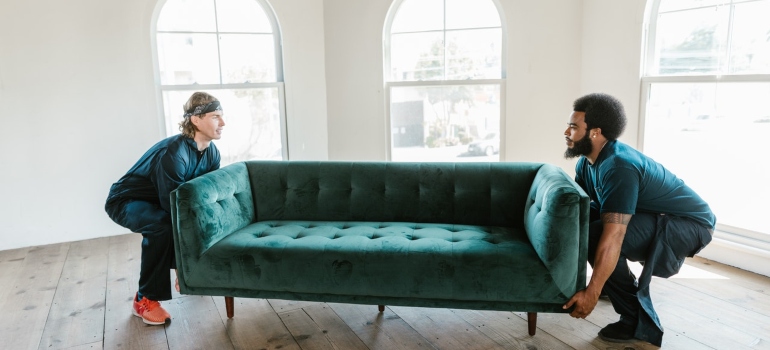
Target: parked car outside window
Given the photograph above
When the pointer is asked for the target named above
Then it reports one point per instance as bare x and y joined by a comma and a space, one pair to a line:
489, 146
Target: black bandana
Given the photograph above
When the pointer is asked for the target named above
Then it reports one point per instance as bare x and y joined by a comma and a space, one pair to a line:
203, 109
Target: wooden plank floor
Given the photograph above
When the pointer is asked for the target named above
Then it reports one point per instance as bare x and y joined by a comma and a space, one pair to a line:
77, 295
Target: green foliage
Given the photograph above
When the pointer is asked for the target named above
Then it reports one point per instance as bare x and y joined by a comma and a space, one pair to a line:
702, 39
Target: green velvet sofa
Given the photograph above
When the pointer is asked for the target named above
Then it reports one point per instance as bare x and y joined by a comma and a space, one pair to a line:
483, 236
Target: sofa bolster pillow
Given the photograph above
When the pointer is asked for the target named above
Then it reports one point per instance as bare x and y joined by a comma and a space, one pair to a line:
553, 219
212, 206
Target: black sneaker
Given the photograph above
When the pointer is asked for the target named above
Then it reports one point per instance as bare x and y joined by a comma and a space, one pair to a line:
618, 332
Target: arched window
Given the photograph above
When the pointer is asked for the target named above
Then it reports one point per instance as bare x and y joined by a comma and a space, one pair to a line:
230, 49
706, 104
445, 78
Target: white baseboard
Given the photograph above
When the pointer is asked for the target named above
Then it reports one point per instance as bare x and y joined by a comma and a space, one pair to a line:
740, 251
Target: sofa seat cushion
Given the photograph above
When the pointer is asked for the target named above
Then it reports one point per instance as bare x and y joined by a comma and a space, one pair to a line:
388, 259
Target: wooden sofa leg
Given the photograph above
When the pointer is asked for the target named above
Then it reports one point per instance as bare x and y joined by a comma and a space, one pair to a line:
229, 306
381, 308
532, 322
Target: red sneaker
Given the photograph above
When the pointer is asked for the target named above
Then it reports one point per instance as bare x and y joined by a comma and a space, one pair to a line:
150, 311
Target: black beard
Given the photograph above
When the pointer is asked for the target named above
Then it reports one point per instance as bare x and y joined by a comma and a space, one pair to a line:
579, 148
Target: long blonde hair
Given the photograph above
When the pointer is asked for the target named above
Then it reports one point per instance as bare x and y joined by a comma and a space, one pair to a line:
199, 98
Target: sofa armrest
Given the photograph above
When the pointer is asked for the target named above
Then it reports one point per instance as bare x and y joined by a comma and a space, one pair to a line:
206, 209
556, 221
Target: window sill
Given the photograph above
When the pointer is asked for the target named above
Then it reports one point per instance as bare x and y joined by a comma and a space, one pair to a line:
744, 252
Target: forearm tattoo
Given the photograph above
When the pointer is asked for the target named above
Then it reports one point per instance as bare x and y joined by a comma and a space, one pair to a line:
616, 218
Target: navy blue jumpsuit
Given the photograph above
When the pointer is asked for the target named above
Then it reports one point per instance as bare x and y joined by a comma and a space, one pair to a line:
140, 202
670, 222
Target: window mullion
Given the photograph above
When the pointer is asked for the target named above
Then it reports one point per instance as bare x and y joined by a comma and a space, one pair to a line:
446, 46
220, 86
729, 42
651, 56
219, 51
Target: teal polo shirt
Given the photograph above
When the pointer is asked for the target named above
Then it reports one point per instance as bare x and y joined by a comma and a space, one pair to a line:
623, 180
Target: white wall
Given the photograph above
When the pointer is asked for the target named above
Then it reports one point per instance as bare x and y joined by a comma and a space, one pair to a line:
79, 107
611, 55
354, 79
544, 45
302, 30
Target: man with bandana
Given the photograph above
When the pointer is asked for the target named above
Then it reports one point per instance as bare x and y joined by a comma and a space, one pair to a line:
640, 211
140, 200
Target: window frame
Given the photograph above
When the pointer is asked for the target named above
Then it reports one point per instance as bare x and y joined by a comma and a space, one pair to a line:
279, 74
389, 84
731, 233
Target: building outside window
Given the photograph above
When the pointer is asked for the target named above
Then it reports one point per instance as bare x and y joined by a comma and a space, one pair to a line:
230, 49
444, 76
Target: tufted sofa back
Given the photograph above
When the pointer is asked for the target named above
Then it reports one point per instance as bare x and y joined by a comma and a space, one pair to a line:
491, 194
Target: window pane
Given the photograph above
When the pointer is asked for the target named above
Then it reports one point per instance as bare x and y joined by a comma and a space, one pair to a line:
187, 16
252, 117
417, 56
461, 14
673, 5
247, 58
188, 59
750, 51
242, 16
445, 123
713, 136
692, 42
474, 54
418, 15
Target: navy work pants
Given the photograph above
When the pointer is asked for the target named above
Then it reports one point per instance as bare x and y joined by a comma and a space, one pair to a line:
660, 243
158, 259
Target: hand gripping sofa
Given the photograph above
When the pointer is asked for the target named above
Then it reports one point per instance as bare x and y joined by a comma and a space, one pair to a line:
483, 236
